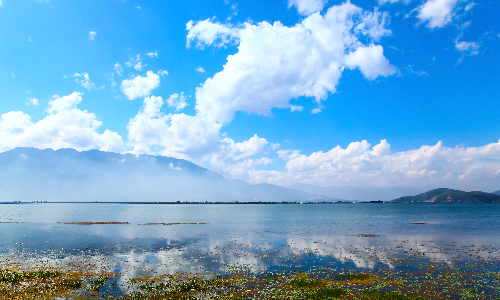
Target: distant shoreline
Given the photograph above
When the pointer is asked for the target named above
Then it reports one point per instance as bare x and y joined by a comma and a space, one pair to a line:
237, 202
189, 202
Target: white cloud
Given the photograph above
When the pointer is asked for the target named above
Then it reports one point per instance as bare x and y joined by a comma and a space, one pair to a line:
1, 3
177, 101
152, 54
138, 66
437, 13
296, 108
175, 168
140, 86
470, 6
136, 63
470, 48
30, 39
275, 146
200, 70
245, 149
118, 69
307, 7
361, 164
33, 101
147, 126
85, 81
276, 63
13, 75
288, 154
162, 73
110, 141
181, 136
241, 169
111, 78
65, 126
207, 33
382, 2
370, 61
92, 35
65, 103
195, 138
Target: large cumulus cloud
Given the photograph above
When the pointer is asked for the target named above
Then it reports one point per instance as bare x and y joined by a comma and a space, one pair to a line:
276, 63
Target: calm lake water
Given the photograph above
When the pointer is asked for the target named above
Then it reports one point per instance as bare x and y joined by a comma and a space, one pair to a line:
257, 237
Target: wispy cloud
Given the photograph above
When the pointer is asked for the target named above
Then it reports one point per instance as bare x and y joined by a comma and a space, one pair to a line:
84, 80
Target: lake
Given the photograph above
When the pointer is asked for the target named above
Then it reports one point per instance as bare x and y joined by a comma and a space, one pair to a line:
387, 241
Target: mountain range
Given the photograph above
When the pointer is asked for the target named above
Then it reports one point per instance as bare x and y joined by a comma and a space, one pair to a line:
68, 175
30, 174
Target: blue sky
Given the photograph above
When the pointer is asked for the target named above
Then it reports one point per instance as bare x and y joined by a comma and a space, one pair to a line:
382, 93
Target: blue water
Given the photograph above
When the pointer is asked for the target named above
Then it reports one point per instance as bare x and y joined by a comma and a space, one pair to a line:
253, 237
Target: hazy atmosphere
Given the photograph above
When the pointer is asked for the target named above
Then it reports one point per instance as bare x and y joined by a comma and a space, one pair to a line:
388, 93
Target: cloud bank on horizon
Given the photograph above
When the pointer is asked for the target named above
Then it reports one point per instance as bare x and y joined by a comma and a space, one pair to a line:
265, 71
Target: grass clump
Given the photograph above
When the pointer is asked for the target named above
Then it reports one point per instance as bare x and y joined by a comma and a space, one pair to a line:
178, 288
16, 277
71, 283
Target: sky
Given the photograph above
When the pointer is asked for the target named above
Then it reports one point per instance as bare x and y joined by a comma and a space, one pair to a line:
361, 93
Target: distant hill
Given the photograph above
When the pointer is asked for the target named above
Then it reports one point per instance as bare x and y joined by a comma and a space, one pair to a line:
363, 193
29, 174
449, 195
496, 192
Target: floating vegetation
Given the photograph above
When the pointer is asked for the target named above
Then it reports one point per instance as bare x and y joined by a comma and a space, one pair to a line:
96, 223
418, 223
172, 223
38, 284
9, 222
367, 235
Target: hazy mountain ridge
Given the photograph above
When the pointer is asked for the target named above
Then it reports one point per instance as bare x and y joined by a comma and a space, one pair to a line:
30, 174
363, 193
449, 195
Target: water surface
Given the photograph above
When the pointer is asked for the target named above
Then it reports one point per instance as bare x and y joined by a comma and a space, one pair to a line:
251, 237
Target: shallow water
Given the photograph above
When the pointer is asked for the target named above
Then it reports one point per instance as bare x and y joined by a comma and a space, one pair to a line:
254, 238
